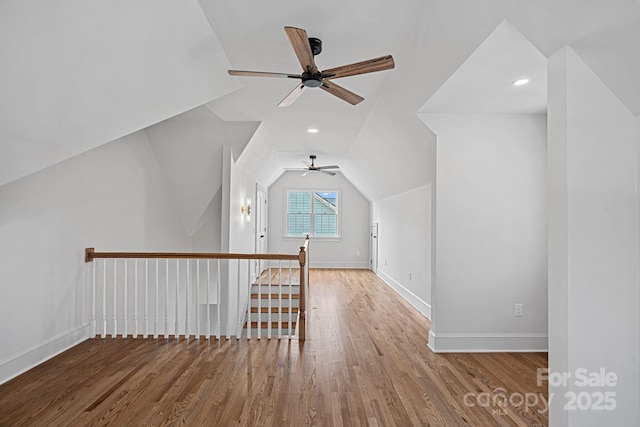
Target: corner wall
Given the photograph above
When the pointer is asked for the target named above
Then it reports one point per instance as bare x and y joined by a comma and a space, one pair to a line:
594, 320
113, 197
404, 242
490, 233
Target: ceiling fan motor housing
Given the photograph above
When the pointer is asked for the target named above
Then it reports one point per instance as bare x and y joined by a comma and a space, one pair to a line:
311, 79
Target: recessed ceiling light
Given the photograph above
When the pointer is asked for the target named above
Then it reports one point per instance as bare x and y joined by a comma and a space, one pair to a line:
312, 130
520, 82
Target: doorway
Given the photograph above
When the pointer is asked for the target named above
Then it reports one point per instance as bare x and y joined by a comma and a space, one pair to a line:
261, 225
373, 247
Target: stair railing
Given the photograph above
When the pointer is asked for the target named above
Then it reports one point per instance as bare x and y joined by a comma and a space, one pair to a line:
181, 294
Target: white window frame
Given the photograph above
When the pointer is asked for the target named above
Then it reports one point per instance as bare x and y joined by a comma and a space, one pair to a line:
312, 191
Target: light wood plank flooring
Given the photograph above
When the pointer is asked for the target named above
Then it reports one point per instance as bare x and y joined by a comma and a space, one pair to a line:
365, 362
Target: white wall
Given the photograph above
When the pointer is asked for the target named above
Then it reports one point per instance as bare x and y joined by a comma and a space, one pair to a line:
490, 233
84, 73
242, 227
113, 197
207, 236
593, 236
404, 244
354, 226
239, 228
188, 148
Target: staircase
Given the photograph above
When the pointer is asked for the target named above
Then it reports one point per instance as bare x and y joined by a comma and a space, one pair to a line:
273, 309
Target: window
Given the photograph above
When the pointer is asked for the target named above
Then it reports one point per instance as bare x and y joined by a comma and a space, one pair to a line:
312, 212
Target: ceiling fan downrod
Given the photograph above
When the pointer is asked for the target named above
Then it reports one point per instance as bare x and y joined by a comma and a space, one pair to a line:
316, 45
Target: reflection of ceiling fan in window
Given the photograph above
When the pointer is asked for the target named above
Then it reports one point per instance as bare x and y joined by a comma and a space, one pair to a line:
311, 167
306, 48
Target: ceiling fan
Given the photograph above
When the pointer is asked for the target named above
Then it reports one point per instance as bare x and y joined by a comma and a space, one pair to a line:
306, 48
311, 167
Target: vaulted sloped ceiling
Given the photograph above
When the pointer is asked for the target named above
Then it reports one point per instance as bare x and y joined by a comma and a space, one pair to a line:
79, 73
76, 74
614, 54
383, 148
503, 57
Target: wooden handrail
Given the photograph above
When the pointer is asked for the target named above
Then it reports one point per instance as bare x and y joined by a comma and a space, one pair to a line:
90, 254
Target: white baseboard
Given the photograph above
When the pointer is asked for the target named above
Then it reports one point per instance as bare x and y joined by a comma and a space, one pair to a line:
420, 305
339, 264
488, 342
35, 355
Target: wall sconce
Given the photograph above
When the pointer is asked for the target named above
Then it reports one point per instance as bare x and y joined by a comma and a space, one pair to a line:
246, 210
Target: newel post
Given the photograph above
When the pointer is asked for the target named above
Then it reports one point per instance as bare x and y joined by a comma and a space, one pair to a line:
302, 257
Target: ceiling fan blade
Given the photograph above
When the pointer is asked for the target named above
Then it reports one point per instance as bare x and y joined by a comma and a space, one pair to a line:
325, 172
263, 74
341, 92
302, 48
369, 66
293, 95
306, 163
328, 167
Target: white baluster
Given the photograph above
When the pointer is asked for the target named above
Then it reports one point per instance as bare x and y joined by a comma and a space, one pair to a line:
248, 310
186, 322
135, 300
177, 297
290, 299
218, 301
93, 303
269, 303
166, 301
229, 320
238, 307
198, 299
279, 298
208, 299
104, 298
259, 324
155, 318
125, 332
249, 304
146, 298
115, 302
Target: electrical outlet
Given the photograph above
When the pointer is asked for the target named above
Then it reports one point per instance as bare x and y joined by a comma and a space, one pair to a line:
518, 310
409, 276
357, 253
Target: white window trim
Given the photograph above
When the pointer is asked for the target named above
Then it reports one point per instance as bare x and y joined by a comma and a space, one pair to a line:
338, 235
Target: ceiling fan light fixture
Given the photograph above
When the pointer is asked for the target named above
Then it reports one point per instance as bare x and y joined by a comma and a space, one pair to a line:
311, 79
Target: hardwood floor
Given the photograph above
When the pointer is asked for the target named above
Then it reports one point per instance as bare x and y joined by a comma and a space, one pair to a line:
365, 362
